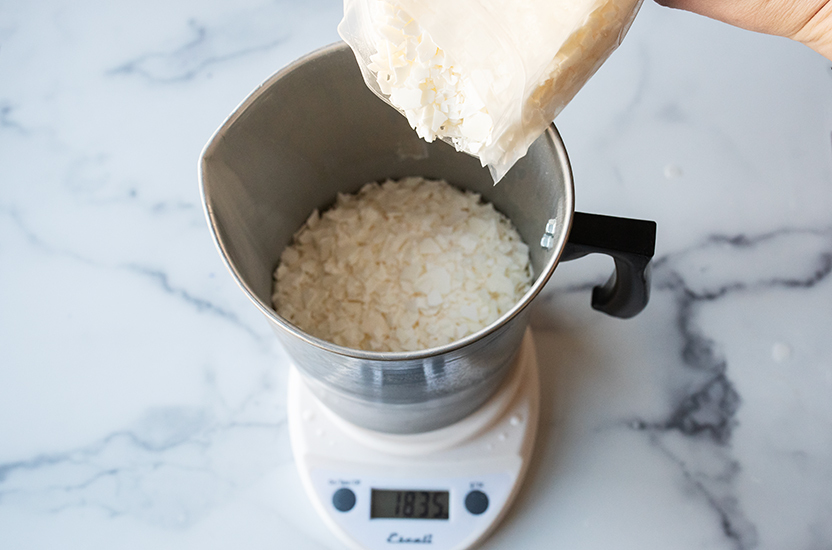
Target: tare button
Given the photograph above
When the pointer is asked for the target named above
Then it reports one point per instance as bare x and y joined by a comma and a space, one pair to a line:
343, 499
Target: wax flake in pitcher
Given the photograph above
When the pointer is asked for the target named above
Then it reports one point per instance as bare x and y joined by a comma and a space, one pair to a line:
402, 266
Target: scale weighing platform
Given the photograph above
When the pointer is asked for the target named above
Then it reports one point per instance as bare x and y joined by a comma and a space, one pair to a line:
447, 488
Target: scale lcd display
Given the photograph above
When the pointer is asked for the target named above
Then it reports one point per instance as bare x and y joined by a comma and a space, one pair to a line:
409, 504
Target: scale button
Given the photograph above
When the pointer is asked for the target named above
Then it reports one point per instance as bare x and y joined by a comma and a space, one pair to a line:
476, 502
343, 499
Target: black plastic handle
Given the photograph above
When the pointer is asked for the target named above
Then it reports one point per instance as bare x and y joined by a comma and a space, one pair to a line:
631, 243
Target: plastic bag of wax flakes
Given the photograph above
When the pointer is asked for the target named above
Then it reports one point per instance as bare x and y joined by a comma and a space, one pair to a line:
487, 76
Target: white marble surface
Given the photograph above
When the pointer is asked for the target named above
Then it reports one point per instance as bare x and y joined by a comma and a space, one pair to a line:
142, 398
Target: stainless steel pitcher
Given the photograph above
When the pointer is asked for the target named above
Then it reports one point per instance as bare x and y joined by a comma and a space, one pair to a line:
313, 130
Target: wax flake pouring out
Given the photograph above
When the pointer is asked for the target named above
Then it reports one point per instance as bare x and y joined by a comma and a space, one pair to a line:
423, 81
487, 76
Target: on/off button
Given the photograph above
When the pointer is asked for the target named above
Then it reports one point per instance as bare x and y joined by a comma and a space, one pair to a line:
343, 499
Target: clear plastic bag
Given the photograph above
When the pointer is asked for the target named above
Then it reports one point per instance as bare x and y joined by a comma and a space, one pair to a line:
488, 76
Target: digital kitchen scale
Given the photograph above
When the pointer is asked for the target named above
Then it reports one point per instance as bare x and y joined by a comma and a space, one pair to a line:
447, 488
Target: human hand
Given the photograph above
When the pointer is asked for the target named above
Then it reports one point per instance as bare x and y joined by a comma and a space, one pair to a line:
806, 21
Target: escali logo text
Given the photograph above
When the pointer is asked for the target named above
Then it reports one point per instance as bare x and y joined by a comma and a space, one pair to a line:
396, 538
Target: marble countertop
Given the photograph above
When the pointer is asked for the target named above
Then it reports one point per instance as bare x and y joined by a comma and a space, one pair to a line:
143, 398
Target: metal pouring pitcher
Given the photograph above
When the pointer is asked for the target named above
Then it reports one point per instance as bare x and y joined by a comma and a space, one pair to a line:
313, 130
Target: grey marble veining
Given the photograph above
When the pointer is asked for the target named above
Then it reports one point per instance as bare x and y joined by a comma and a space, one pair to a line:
143, 399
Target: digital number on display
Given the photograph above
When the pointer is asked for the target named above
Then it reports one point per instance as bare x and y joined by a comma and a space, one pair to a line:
408, 504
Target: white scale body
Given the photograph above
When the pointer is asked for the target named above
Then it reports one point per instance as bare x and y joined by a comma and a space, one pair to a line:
469, 471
